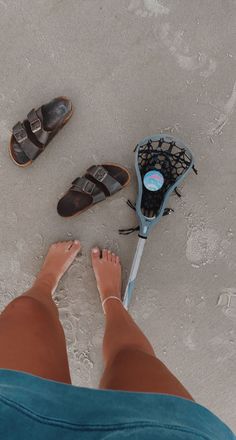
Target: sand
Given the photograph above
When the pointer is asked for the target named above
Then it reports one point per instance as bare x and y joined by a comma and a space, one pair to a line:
132, 68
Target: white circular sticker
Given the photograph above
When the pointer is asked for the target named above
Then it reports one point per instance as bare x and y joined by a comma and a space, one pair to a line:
153, 180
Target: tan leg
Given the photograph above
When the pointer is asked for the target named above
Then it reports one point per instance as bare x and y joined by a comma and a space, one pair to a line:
130, 361
31, 336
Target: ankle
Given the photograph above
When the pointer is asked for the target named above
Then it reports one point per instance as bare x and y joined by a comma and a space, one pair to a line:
109, 291
112, 299
46, 281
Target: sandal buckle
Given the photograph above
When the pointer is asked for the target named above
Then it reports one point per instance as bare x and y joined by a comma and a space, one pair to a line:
84, 185
88, 187
99, 174
20, 134
35, 125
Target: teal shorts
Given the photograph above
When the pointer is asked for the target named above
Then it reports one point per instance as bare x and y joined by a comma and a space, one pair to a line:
35, 408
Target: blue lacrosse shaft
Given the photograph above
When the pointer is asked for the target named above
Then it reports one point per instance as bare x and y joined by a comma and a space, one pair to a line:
133, 273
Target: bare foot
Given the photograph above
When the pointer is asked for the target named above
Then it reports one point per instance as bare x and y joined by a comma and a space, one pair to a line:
107, 271
59, 258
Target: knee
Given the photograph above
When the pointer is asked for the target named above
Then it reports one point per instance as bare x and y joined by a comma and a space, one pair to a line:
25, 305
123, 358
123, 354
129, 352
121, 369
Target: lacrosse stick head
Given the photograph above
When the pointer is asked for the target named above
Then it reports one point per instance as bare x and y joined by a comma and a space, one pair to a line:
162, 162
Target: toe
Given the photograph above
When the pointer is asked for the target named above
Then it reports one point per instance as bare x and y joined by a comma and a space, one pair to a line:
67, 245
105, 254
75, 246
58, 246
113, 258
117, 259
95, 254
109, 257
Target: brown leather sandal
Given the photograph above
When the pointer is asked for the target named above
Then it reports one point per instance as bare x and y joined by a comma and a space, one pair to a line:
99, 182
30, 137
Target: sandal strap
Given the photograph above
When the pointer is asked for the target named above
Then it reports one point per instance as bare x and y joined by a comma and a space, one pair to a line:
20, 134
36, 125
101, 176
84, 185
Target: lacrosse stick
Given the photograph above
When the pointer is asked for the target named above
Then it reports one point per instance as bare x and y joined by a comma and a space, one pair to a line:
161, 163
